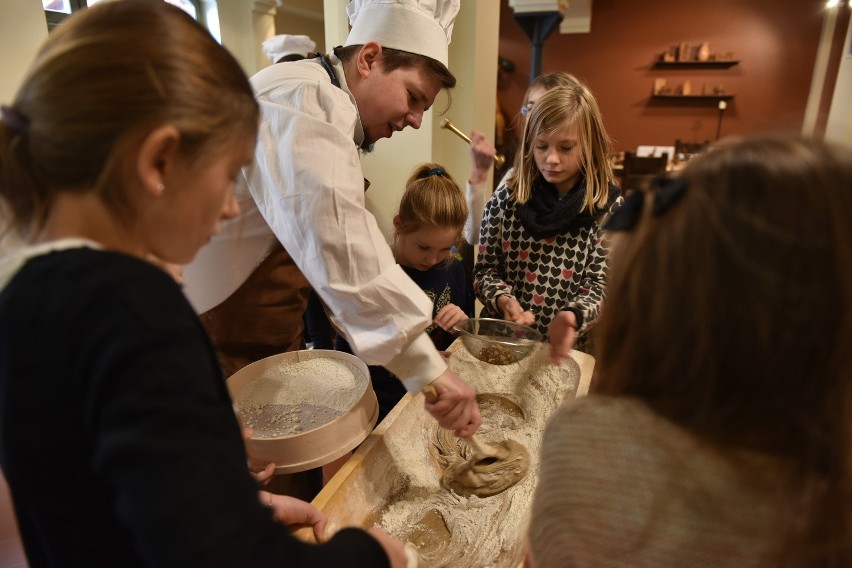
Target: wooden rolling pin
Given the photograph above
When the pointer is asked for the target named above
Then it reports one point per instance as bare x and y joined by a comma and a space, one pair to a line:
482, 452
499, 159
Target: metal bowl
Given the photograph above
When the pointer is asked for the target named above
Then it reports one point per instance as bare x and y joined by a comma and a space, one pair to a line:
496, 341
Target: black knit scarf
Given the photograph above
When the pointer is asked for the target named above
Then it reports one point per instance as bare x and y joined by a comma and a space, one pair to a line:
545, 215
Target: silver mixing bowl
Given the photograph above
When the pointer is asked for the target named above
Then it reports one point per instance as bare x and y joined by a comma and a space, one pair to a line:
496, 341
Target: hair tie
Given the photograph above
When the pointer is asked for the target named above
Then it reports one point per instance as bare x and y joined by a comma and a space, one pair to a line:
16, 121
435, 172
625, 217
667, 192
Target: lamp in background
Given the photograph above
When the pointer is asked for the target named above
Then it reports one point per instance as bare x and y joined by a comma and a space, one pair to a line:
538, 18
722, 106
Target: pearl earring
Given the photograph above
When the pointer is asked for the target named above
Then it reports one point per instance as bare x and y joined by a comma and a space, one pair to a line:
161, 188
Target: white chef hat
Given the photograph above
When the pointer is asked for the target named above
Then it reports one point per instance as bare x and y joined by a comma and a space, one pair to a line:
423, 27
278, 46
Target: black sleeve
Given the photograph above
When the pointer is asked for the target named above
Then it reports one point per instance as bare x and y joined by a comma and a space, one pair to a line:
465, 290
165, 439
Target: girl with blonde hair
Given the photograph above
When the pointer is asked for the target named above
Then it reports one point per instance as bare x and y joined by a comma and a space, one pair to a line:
542, 254
482, 152
427, 231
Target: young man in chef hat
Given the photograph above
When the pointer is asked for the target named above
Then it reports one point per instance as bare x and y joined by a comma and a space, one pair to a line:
304, 223
287, 47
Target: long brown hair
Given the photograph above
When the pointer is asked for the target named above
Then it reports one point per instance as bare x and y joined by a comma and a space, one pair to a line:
731, 315
110, 74
577, 105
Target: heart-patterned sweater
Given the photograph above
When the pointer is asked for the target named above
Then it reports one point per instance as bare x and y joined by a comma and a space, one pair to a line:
548, 275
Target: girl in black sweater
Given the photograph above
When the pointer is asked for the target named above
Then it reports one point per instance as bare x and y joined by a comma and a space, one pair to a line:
124, 143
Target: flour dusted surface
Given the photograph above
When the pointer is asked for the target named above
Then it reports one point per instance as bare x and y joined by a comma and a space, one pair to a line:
405, 494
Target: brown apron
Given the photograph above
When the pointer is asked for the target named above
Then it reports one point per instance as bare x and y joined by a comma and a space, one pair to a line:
262, 317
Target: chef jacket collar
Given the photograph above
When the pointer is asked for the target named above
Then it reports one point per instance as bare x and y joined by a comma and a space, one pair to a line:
337, 65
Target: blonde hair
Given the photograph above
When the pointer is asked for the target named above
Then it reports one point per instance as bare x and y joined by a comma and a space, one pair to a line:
745, 288
573, 104
433, 198
106, 77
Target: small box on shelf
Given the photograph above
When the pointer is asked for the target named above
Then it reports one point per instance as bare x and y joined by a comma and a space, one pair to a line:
669, 55
698, 55
707, 89
663, 91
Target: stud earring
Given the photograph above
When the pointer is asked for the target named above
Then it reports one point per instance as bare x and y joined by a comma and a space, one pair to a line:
161, 188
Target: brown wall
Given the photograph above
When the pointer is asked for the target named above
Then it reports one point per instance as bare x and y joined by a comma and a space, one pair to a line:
775, 41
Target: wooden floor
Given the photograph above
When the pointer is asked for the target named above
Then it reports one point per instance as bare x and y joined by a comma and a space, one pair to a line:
11, 551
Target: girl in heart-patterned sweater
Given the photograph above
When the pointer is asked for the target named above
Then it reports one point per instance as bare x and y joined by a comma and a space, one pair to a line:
542, 255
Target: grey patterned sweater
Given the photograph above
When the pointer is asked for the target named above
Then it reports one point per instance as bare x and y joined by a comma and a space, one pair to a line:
621, 486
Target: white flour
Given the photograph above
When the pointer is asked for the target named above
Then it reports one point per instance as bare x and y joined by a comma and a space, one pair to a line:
296, 397
405, 491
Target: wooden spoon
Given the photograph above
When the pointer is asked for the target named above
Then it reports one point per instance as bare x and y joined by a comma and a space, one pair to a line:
483, 453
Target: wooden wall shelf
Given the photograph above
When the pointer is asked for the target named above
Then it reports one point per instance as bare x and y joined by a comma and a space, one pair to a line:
694, 97
705, 91
694, 64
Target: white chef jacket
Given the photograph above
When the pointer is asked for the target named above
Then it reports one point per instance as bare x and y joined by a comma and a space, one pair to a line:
307, 187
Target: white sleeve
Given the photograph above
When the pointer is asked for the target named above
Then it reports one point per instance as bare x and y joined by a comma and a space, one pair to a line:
308, 185
476, 197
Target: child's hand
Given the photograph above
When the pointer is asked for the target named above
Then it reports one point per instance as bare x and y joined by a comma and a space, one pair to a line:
291, 511
450, 316
394, 548
265, 475
562, 334
512, 311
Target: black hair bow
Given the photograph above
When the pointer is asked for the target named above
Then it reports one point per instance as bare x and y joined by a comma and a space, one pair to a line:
667, 192
16, 120
432, 172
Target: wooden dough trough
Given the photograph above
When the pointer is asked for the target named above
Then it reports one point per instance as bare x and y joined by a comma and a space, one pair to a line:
398, 468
